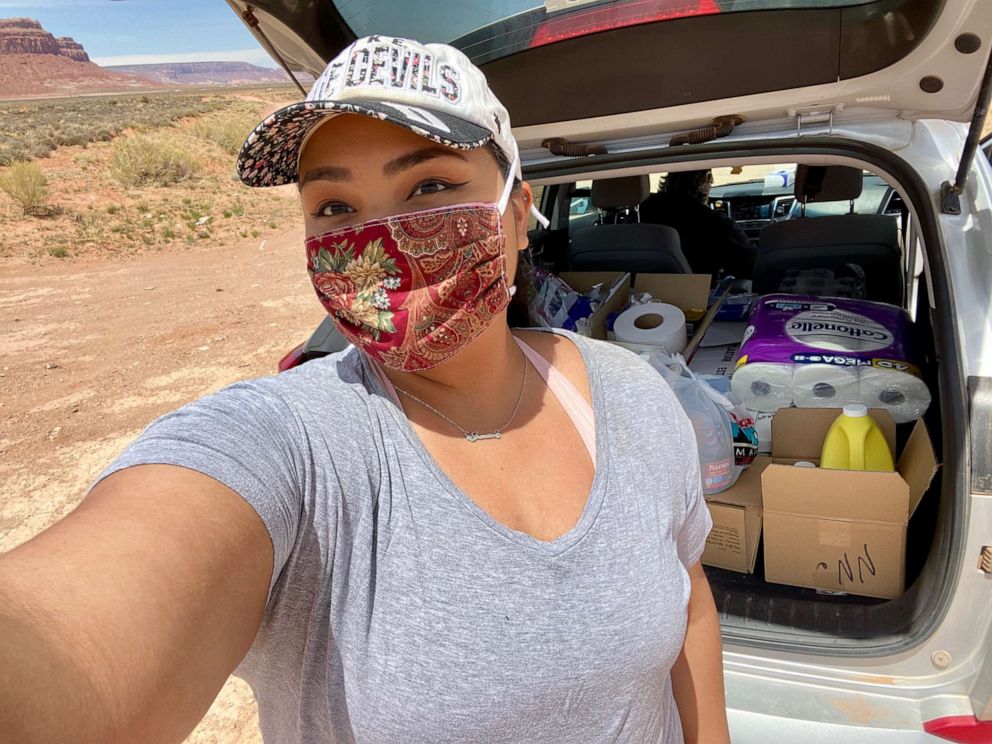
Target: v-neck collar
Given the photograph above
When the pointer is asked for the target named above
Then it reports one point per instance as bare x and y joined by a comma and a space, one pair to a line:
597, 489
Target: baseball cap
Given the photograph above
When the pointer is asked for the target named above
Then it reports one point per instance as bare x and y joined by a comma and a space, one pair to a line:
433, 90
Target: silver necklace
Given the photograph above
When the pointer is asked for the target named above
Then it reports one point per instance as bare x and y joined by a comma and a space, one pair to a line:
474, 436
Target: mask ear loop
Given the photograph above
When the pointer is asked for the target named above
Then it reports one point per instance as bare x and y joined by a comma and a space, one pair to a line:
542, 220
508, 187
504, 198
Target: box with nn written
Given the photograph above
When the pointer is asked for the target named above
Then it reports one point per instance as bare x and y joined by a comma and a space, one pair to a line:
840, 530
688, 292
733, 542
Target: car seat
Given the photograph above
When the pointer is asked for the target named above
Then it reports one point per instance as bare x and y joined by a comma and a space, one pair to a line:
867, 242
622, 243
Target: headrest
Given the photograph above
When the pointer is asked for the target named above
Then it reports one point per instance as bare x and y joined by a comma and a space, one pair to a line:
826, 183
628, 191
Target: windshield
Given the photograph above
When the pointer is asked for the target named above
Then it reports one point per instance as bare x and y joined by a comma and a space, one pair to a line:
492, 29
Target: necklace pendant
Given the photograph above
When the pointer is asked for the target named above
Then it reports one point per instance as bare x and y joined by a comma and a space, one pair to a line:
475, 436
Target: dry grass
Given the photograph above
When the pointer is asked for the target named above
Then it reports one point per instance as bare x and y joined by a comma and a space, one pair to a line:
30, 130
26, 184
229, 126
156, 159
164, 187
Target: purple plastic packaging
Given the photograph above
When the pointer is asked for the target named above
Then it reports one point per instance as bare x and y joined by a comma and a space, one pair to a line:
800, 329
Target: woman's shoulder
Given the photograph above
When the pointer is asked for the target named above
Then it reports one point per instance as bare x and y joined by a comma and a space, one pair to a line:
338, 374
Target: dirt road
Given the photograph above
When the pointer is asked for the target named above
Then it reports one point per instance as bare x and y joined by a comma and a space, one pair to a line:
91, 352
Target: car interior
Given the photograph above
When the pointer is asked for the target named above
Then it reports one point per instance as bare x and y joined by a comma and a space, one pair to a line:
819, 229
619, 241
869, 241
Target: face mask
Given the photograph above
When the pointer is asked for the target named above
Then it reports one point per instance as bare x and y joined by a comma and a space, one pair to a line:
413, 289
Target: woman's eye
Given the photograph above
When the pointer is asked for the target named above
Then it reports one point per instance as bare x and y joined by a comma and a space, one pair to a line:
330, 209
433, 187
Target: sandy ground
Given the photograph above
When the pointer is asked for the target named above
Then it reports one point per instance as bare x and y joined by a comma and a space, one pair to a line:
92, 350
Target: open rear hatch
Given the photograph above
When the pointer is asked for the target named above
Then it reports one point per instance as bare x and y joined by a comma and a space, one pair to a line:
578, 70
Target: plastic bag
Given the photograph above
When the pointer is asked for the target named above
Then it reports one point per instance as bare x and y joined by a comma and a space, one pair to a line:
556, 305
714, 417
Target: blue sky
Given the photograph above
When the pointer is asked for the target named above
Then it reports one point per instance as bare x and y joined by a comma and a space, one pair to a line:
140, 31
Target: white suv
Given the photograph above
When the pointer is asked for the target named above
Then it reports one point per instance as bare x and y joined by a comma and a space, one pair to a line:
606, 89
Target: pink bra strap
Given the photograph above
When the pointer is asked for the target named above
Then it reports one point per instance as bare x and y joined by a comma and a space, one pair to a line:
576, 406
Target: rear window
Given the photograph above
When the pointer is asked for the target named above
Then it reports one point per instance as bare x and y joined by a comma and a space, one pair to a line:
490, 30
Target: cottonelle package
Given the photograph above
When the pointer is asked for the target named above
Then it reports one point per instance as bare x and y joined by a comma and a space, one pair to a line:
823, 352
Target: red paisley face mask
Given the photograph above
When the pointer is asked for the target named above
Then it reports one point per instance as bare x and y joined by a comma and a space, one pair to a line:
413, 289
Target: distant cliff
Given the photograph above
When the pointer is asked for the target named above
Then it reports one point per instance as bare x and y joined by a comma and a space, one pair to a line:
72, 49
205, 73
26, 36
34, 63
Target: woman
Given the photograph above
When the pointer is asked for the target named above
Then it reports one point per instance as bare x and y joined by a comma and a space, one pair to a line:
451, 532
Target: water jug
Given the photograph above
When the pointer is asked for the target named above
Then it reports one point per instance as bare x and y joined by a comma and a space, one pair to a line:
855, 442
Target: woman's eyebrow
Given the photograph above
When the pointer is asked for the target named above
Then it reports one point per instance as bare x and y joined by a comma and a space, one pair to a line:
403, 162
325, 173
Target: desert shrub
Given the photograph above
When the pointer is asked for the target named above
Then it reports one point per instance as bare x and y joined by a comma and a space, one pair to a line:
151, 160
26, 184
227, 128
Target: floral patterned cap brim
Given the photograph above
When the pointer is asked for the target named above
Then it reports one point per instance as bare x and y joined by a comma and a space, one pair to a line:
271, 153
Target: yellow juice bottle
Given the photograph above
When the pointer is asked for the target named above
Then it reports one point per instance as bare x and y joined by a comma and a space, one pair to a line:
855, 442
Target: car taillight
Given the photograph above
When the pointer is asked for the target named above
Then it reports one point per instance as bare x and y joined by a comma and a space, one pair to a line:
291, 359
618, 15
964, 729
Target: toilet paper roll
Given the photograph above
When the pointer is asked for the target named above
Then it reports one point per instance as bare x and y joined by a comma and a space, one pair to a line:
905, 396
763, 386
653, 323
824, 386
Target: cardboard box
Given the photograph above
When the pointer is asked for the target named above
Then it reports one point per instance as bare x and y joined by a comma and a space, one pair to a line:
688, 292
840, 530
716, 353
736, 513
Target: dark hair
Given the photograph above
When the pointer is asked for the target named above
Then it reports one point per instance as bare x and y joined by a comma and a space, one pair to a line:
688, 183
502, 161
518, 313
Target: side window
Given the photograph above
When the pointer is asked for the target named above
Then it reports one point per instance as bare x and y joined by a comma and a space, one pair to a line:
580, 200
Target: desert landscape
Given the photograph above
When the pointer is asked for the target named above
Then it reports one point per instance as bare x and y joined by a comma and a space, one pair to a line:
136, 274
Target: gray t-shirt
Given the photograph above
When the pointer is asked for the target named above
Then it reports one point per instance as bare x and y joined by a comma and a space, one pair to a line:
400, 611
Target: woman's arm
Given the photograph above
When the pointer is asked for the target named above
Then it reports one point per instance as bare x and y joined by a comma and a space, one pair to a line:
121, 622
697, 677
